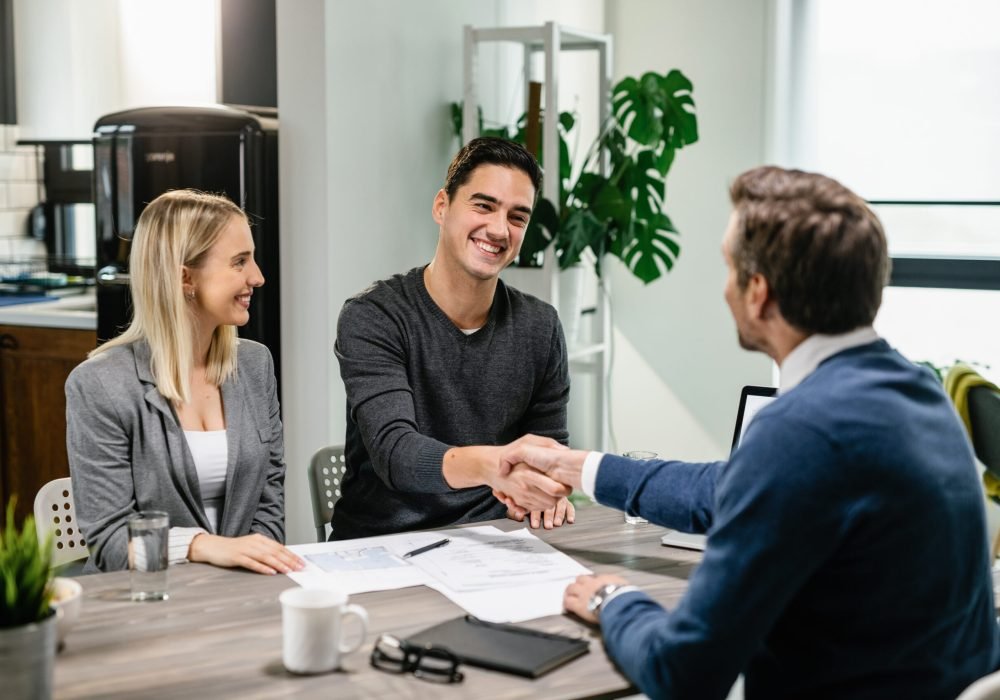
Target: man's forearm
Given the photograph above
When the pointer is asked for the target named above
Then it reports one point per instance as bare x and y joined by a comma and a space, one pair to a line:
464, 467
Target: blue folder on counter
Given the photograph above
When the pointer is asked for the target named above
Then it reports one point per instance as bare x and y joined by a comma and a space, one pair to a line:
12, 299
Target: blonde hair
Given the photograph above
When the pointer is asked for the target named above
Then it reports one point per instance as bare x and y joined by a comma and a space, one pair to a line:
176, 230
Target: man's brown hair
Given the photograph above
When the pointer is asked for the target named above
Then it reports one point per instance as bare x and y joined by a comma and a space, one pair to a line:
491, 150
821, 249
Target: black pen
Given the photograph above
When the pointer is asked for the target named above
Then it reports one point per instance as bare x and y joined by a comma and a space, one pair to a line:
427, 548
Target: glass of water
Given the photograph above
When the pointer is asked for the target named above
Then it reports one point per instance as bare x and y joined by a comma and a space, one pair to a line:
641, 455
148, 555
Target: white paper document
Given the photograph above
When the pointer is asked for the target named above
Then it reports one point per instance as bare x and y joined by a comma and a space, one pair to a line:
515, 604
496, 576
485, 558
362, 565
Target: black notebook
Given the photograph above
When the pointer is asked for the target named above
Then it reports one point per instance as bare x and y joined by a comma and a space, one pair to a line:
506, 648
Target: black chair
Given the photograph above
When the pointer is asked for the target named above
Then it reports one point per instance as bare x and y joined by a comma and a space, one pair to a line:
984, 420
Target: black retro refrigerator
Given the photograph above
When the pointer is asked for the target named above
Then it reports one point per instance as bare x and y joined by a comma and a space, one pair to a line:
141, 153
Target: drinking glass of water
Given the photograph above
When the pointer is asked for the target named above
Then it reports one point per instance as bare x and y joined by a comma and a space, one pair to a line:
641, 455
148, 554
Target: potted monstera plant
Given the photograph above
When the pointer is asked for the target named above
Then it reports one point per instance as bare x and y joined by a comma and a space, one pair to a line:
621, 213
27, 620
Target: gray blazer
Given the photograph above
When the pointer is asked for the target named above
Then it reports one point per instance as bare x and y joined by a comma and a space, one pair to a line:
127, 451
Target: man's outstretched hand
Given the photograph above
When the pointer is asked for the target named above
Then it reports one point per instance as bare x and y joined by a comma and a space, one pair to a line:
557, 462
529, 489
478, 465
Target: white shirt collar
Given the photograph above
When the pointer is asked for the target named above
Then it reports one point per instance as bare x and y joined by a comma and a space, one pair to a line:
808, 354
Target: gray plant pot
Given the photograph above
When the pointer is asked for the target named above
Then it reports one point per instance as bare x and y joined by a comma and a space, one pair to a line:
27, 655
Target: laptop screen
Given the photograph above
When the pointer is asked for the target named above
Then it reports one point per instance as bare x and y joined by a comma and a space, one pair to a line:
752, 399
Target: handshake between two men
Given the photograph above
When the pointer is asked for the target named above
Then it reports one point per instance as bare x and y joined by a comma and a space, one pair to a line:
534, 477
532, 473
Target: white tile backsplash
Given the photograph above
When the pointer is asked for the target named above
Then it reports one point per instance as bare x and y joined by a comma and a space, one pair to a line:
10, 133
31, 170
19, 192
13, 223
22, 195
7, 166
21, 167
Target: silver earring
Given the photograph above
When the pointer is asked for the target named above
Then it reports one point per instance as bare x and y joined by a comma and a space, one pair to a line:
190, 295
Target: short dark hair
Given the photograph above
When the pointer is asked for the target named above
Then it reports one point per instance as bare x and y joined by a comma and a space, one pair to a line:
821, 249
490, 150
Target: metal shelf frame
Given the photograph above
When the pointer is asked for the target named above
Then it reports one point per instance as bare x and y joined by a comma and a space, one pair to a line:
551, 39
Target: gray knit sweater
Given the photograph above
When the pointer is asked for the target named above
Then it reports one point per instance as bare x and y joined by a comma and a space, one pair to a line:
417, 386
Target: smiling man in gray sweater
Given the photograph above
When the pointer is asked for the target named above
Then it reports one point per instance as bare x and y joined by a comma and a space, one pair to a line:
445, 364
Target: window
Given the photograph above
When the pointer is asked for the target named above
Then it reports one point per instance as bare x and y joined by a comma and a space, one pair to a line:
897, 99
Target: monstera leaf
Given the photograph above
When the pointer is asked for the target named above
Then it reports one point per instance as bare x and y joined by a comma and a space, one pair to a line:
680, 126
657, 108
649, 187
652, 250
579, 231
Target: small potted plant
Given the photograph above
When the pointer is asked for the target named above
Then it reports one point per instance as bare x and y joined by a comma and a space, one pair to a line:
27, 620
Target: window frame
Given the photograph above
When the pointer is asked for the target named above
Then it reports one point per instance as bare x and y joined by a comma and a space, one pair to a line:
8, 85
943, 272
788, 79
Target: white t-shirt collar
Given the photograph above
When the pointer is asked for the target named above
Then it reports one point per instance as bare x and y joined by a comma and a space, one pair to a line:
808, 354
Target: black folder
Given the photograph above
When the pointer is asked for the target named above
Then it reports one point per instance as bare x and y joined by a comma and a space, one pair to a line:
506, 648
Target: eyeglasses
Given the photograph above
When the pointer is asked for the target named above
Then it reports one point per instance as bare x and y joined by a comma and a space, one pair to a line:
430, 663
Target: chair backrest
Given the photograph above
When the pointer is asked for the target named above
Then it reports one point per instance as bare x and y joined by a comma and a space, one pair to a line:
55, 513
986, 688
326, 472
984, 419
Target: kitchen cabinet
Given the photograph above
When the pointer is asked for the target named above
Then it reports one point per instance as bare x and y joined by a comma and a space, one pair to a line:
34, 364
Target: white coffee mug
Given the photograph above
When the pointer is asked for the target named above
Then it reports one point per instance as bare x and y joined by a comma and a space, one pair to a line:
312, 629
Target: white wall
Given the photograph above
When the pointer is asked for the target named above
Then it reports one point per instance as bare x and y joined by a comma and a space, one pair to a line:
678, 368
77, 61
67, 65
365, 141
363, 93
168, 52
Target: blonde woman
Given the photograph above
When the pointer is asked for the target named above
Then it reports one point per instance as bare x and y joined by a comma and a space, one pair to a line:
178, 414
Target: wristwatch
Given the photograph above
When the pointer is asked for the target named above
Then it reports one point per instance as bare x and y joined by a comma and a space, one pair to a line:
601, 595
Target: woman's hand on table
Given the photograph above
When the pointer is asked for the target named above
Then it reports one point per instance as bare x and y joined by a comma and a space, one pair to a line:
254, 552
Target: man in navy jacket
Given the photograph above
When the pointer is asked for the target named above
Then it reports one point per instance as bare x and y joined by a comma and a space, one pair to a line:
847, 547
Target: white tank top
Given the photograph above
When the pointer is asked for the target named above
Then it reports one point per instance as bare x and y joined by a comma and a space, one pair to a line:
211, 454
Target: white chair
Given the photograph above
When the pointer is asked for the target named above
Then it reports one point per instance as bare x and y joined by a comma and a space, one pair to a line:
326, 473
986, 688
55, 514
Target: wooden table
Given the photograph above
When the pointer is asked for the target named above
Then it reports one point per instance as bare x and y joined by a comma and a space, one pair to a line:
219, 635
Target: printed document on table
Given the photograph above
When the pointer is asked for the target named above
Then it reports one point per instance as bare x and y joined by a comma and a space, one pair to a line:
507, 604
496, 576
481, 558
362, 565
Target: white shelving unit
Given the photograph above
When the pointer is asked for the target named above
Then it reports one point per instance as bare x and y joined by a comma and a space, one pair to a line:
593, 355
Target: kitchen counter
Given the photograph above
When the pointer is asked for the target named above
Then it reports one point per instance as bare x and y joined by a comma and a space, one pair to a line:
78, 311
